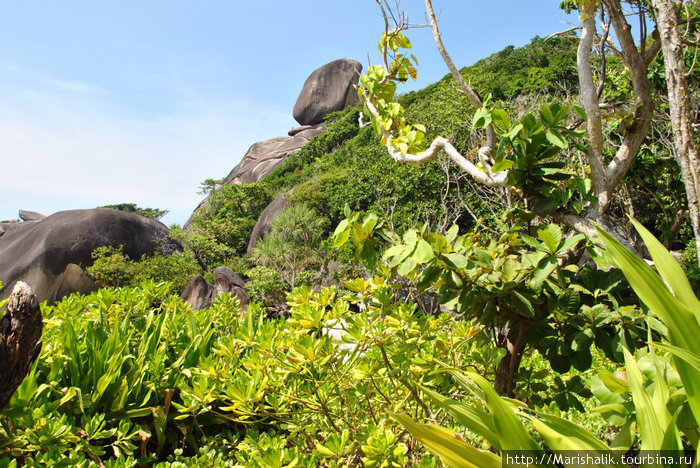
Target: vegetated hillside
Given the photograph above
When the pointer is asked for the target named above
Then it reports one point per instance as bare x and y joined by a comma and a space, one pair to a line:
346, 165
135, 376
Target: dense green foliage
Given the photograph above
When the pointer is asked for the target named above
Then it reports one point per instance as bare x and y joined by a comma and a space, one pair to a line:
654, 401
112, 267
222, 227
134, 374
153, 213
515, 287
293, 243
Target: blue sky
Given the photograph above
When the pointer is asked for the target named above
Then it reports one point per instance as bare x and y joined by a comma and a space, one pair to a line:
139, 101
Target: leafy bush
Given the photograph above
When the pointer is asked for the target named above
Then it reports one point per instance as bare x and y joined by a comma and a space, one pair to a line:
657, 402
266, 286
293, 243
112, 267
515, 287
133, 375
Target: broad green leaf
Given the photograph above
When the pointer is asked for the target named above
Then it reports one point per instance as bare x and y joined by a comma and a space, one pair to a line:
525, 307
532, 242
651, 429
500, 119
342, 226
546, 115
556, 139
454, 452
502, 165
514, 131
324, 451
455, 260
551, 236
669, 269
423, 252
474, 419
581, 112
612, 382
542, 272
571, 242
482, 118
341, 238
451, 234
406, 267
561, 434
512, 433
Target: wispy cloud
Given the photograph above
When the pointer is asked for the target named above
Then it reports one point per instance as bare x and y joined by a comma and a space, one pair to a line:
67, 147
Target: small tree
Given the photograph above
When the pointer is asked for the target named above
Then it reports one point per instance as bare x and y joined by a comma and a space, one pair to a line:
494, 163
293, 244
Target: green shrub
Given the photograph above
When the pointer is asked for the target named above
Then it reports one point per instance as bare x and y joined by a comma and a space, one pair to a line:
293, 243
655, 401
133, 375
112, 267
266, 286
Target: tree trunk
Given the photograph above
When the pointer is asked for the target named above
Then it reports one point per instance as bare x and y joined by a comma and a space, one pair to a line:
667, 19
508, 366
20, 331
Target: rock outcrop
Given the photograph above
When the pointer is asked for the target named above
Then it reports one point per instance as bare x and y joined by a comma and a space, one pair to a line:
264, 157
26, 215
51, 254
328, 89
200, 294
262, 227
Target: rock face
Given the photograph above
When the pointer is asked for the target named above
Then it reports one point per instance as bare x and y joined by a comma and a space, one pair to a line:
264, 157
200, 294
51, 254
328, 89
26, 215
262, 227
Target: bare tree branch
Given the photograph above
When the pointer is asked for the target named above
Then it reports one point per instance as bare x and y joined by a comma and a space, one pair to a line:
562, 33
634, 134
499, 179
468, 91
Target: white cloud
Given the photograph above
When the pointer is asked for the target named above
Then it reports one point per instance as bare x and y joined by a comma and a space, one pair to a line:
69, 148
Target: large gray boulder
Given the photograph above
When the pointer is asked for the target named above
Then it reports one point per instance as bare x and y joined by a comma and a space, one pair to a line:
51, 254
262, 227
328, 89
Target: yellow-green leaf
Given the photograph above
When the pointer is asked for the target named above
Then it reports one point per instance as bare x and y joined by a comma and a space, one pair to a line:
454, 452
